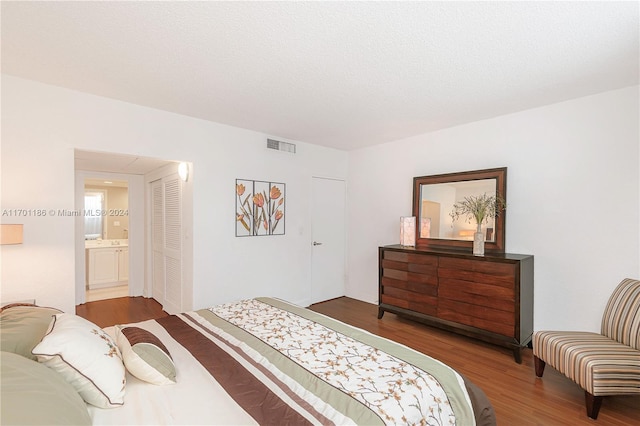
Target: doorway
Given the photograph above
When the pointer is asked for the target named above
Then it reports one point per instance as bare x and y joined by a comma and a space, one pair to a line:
138, 172
106, 235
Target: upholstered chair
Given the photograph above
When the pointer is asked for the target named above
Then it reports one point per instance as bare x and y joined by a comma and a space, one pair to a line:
602, 364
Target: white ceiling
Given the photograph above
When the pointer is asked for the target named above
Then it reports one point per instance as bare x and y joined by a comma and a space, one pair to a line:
93, 182
115, 163
339, 74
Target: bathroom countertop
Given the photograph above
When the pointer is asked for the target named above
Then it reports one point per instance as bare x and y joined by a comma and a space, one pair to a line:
89, 244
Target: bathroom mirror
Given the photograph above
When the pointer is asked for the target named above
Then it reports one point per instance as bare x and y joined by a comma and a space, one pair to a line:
433, 200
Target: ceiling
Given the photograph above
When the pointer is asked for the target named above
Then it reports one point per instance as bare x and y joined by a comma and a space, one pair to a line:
338, 74
93, 182
115, 163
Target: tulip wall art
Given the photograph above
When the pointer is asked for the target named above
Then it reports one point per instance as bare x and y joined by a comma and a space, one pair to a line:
259, 208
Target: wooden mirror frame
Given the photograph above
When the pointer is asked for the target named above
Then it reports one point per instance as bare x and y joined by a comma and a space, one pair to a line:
499, 174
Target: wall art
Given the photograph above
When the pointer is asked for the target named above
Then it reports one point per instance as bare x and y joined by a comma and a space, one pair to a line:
260, 208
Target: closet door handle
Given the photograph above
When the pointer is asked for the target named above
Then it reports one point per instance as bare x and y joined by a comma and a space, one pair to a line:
315, 243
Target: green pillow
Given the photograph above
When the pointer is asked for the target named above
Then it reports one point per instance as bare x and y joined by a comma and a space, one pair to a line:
22, 327
33, 394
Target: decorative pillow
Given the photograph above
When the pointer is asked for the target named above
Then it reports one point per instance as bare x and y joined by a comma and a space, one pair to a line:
23, 326
145, 356
86, 357
32, 394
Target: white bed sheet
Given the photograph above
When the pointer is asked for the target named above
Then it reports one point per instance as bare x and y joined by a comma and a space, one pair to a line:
196, 398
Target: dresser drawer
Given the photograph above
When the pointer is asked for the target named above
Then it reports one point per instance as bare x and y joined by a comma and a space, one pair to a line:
417, 287
409, 272
395, 256
452, 288
450, 294
483, 317
490, 273
404, 257
420, 302
407, 277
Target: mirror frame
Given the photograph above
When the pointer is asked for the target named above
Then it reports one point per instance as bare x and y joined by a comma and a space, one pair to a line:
499, 174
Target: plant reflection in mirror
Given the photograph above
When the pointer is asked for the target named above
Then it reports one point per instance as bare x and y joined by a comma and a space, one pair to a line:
478, 207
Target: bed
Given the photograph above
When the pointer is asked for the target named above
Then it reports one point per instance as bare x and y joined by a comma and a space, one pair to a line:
256, 361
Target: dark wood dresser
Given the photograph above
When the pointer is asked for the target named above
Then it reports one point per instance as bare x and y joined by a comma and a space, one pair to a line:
486, 297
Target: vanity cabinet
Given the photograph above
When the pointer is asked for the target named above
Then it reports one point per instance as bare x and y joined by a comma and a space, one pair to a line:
107, 267
123, 264
488, 297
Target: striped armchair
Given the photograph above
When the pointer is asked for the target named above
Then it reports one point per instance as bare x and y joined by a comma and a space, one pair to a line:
601, 364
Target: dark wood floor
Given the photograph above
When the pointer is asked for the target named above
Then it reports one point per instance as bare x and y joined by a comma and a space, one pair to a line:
122, 310
519, 398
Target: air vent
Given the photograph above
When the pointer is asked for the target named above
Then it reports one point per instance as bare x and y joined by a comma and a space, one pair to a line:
281, 146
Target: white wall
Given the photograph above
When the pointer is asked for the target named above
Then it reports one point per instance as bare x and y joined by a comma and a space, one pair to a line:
572, 194
41, 126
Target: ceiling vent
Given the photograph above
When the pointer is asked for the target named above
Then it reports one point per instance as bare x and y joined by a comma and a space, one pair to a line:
281, 146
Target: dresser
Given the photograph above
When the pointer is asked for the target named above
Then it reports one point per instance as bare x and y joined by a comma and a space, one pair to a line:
488, 297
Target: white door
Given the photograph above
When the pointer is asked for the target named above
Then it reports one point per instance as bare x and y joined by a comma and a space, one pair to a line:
329, 239
166, 196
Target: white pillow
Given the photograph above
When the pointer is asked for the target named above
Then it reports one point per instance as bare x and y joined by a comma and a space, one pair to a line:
145, 356
86, 357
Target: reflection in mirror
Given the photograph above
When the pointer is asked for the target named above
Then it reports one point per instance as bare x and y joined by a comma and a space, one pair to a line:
94, 223
433, 200
437, 202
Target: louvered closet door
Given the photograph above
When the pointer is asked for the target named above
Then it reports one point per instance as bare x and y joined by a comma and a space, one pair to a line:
167, 246
172, 244
157, 240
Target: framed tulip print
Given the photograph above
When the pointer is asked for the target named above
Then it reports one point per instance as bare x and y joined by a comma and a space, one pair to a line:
260, 208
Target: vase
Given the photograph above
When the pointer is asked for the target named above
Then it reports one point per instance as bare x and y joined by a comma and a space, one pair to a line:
478, 242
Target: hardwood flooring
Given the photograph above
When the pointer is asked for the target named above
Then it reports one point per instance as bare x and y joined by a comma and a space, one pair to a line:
519, 398
121, 310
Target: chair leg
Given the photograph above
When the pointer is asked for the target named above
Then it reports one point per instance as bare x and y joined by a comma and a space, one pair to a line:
539, 364
593, 404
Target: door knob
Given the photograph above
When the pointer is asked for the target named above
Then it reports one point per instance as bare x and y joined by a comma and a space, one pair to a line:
315, 243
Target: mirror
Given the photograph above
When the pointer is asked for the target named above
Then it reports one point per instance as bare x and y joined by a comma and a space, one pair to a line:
433, 200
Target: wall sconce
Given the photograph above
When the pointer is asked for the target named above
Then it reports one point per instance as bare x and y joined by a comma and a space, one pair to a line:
183, 171
408, 230
10, 234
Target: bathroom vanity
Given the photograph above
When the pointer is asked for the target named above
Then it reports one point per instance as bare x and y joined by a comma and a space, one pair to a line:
107, 263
